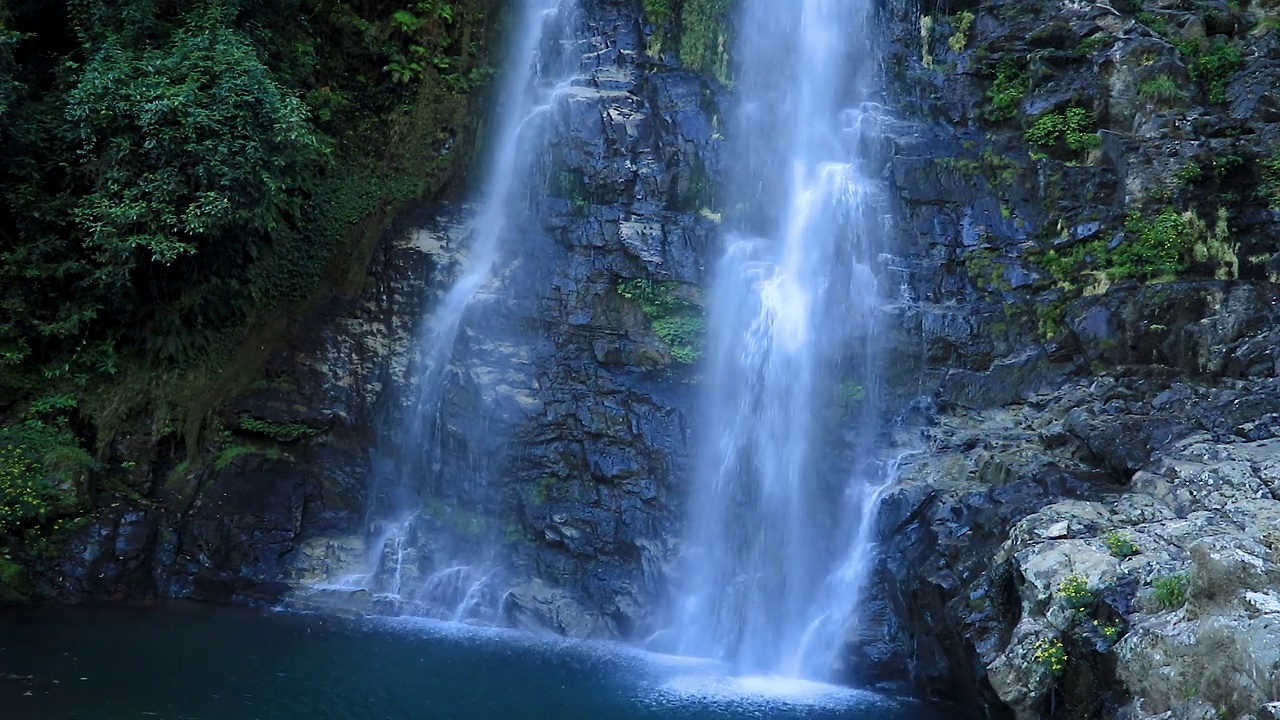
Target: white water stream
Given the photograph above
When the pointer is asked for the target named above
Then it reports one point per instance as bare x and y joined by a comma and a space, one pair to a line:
780, 527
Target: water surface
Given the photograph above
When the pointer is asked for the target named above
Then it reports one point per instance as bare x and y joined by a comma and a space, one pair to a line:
191, 662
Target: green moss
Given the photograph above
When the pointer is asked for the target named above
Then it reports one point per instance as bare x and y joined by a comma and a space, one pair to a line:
14, 586
852, 392
1270, 188
280, 432
551, 488
1050, 318
680, 323
986, 271
515, 535
926, 41
999, 170
572, 186
1093, 43
228, 455
962, 166
457, 521
961, 24
659, 14
1002, 169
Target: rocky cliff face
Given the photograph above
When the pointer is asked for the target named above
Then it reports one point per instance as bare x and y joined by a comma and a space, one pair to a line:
565, 384
1086, 523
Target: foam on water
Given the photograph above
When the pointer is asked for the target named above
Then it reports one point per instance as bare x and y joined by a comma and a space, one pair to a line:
662, 681
764, 691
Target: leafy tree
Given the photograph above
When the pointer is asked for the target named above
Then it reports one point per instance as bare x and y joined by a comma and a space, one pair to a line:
166, 157
186, 145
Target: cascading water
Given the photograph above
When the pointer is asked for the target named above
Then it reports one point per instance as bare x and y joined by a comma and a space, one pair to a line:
428, 534
781, 512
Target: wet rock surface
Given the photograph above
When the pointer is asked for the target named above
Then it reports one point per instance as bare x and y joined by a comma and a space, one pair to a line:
1080, 529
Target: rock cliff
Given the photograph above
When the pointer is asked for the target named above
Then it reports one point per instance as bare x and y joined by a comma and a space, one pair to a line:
1085, 375
1085, 526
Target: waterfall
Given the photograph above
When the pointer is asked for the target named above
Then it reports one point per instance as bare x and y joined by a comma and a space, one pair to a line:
778, 542
430, 535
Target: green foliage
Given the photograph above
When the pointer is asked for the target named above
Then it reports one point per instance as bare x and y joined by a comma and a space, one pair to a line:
151, 173
660, 14
962, 23
40, 466
678, 321
852, 392
1158, 24
1154, 248
1093, 43
1050, 655
1074, 128
571, 186
1007, 89
926, 41
1158, 248
9, 88
1075, 592
1110, 632
1119, 544
14, 584
417, 50
1188, 174
1171, 590
1270, 188
1212, 64
176, 172
228, 455
1159, 89
704, 37
185, 143
280, 432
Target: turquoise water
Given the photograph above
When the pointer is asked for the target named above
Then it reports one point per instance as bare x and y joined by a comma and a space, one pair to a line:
190, 662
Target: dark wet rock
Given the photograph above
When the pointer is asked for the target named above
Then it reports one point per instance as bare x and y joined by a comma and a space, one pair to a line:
1061, 407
